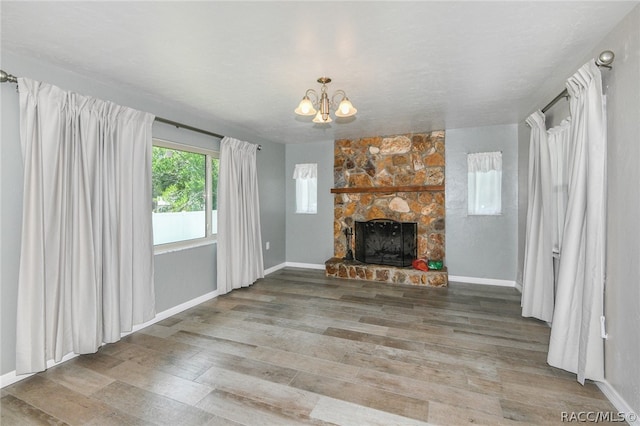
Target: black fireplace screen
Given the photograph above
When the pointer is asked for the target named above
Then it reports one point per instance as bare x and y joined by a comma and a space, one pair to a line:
386, 242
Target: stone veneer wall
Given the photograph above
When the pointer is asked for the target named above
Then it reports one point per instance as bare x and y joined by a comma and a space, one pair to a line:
404, 160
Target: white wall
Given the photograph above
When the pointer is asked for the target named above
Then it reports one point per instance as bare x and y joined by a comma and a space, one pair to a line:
481, 246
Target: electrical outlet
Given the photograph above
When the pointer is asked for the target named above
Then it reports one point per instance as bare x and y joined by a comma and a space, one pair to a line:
267, 245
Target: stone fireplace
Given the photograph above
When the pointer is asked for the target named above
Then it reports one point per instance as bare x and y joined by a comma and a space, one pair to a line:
395, 178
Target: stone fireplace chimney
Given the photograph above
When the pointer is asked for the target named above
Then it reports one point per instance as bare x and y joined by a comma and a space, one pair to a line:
398, 178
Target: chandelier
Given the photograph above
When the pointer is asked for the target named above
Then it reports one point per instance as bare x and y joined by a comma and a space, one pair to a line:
321, 105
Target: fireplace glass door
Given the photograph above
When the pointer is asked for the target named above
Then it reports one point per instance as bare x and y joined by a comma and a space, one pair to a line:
386, 242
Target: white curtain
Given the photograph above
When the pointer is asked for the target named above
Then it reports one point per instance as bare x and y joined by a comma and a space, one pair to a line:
306, 176
484, 183
576, 344
86, 265
559, 141
537, 278
240, 261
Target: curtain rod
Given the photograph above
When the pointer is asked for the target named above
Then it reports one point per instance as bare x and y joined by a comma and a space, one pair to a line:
193, 129
8, 78
605, 59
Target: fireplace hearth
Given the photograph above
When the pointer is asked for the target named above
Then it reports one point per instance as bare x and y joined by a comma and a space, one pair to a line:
386, 242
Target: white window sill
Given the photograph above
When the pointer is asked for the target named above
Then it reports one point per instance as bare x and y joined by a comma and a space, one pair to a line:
183, 245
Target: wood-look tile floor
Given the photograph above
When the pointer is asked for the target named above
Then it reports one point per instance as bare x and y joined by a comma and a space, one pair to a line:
299, 348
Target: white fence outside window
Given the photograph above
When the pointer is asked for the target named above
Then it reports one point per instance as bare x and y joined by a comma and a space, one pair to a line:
179, 226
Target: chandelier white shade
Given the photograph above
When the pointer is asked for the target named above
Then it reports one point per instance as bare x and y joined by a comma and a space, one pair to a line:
321, 106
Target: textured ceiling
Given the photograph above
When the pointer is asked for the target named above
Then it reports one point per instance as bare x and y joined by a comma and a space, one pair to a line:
406, 66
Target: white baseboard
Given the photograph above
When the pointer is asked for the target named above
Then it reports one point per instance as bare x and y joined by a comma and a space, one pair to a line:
483, 281
469, 280
11, 377
175, 310
294, 265
274, 268
621, 405
305, 265
519, 286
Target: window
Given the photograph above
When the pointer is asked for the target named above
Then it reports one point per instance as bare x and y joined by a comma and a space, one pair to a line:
484, 183
306, 176
185, 181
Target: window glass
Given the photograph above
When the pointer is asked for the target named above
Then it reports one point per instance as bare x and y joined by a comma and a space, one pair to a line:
484, 171
184, 193
306, 176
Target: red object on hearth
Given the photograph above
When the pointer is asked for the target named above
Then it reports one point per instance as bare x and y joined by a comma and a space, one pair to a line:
420, 264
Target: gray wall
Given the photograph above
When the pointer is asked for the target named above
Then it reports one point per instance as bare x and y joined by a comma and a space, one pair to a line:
622, 298
310, 236
481, 246
477, 246
271, 166
622, 293
179, 276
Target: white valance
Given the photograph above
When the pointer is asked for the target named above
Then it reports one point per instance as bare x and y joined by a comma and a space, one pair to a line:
305, 171
484, 162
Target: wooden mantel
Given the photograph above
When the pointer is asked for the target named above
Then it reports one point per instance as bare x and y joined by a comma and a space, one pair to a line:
372, 189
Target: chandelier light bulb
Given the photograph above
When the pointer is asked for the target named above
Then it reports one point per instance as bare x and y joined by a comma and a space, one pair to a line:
305, 107
318, 119
345, 109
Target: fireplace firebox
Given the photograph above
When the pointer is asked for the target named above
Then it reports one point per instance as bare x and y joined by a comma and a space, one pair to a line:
386, 242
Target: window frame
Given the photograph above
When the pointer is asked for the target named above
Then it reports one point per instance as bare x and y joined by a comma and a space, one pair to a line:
303, 186
476, 174
209, 237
